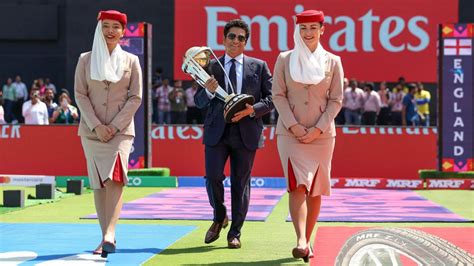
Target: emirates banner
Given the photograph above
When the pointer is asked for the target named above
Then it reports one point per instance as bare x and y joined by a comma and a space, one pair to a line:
457, 87
360, 152
377, 40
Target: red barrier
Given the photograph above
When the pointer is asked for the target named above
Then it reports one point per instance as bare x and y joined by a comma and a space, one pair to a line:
465, 184
360, 152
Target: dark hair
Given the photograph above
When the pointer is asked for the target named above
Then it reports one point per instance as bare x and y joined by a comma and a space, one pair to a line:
353, 81
370, 85
411, 86
239, 24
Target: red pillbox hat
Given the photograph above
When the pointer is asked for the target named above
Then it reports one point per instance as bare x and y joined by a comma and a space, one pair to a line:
114, 15
310, 16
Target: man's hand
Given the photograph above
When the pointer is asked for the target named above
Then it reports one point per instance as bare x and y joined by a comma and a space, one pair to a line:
298, 130
104, 133
211, 84
312, 134
239, 115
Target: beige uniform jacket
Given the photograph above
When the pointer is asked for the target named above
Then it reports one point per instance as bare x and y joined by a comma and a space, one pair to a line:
108, 104
307, 104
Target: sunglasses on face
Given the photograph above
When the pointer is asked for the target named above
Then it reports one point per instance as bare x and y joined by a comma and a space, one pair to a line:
232, 36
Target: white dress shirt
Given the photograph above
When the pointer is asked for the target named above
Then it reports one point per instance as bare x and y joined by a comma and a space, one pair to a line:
372, 102
239, 69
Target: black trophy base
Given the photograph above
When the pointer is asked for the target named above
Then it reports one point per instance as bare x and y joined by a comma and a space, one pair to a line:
236, 104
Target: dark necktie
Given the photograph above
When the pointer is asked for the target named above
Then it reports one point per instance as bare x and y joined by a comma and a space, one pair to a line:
233, 76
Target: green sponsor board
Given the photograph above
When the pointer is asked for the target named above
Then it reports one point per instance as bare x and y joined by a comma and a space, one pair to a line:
133, 181
61, 181
152, 181
156, 171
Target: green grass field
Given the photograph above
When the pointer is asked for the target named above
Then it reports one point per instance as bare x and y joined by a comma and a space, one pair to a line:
263, 243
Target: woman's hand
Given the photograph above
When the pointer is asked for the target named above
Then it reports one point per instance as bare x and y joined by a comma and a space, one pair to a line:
104, 133
312, 134
55, 116
298, 130
113, 129
75, 115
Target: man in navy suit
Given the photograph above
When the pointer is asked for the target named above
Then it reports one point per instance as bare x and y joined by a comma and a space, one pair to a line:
238, 140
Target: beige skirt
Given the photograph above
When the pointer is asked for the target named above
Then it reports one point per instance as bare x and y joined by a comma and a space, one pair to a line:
101, 158
311, 163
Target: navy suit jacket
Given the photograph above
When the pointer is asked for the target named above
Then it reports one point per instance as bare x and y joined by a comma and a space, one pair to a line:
257, 81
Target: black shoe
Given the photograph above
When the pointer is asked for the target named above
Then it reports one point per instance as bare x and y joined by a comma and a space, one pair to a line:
107, 248
214, 231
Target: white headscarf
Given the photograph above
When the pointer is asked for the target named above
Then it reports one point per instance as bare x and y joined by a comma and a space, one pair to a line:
105, 66
307, 67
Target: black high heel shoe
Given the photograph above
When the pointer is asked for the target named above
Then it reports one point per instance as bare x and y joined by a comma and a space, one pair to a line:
98, 250
107, 248
302, 253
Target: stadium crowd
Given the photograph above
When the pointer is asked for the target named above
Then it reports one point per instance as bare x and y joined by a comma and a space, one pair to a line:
41, 104
364, 103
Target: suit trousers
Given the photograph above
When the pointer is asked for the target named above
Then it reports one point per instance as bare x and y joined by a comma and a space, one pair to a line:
241, 162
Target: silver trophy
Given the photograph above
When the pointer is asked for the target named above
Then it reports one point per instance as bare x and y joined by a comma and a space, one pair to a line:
195, 60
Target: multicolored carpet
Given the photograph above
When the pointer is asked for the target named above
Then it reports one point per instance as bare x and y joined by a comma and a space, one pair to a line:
191, 203
72, 244
377, 205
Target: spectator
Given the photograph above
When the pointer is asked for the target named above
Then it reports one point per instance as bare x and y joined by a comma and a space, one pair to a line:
178, 103
9, 99
157, 77
396, 105
352, 103
156, 82
2, 112
371, 105
340, 116
409, 114
35, 111
384, 115
401, 81
50, 104
422, 98
193, 115
164, 115
49, 85
21, 93
41, 86
65, 113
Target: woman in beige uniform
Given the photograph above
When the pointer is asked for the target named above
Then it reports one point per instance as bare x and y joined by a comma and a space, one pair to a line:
307, 93
108, 89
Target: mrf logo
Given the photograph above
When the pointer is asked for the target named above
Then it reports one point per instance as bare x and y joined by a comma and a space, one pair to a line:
360, 182
447, 184
397, 183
